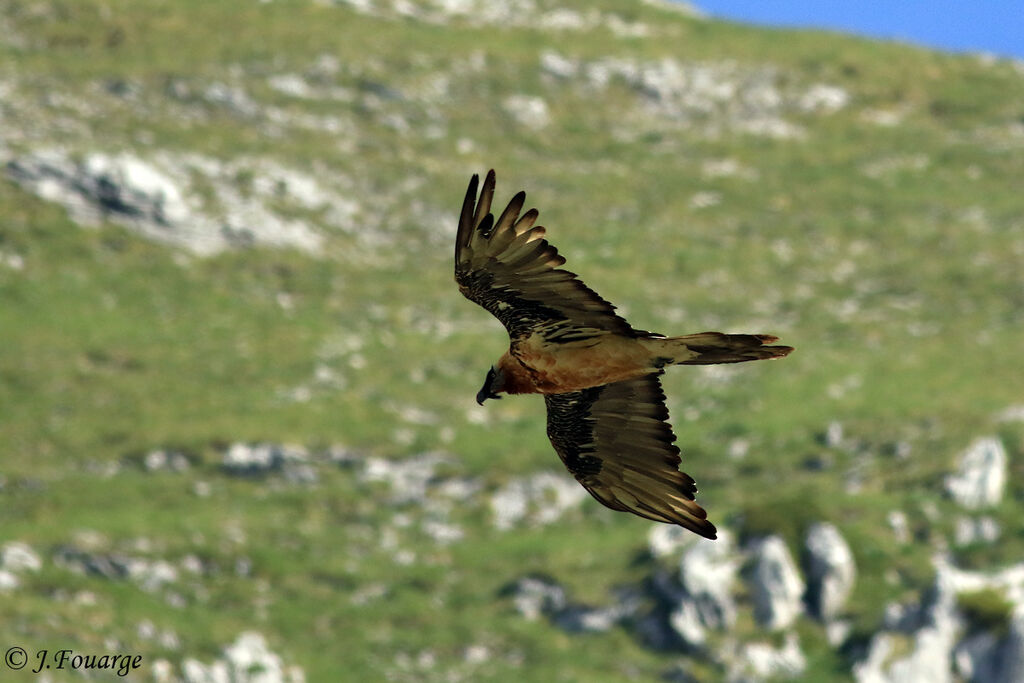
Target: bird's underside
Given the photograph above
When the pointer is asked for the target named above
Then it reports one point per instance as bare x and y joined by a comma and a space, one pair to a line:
607, 418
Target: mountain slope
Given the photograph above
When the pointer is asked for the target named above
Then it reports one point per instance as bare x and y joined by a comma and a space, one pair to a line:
222, 227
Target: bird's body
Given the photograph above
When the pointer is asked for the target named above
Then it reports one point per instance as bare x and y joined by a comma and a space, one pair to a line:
606, 410
536, 365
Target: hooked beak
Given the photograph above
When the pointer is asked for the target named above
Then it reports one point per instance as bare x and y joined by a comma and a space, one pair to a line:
485, 394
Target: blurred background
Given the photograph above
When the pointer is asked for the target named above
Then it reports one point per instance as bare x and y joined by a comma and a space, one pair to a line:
238, 434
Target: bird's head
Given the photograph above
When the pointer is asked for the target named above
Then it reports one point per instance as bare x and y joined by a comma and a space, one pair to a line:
494, 384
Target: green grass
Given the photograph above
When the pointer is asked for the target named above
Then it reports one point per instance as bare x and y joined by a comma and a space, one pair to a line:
905, 307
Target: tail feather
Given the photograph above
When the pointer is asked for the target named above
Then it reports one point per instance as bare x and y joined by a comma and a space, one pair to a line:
707, 348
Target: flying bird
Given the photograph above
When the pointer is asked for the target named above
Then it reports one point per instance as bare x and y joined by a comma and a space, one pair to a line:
607, 418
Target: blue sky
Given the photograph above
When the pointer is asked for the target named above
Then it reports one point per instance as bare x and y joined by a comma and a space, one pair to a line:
955, 25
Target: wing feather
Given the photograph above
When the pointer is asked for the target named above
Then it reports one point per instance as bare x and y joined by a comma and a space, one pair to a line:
616, 441
508, 267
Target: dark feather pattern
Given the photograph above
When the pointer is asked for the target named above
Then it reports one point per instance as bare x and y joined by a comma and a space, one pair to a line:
616, 440
508, 268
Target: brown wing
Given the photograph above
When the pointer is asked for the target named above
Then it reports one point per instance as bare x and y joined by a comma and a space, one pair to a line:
510, 269
616, 441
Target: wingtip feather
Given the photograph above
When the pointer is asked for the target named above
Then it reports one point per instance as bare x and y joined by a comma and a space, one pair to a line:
483, 205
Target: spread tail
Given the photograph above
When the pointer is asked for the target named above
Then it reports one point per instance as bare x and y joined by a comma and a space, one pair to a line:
707, 348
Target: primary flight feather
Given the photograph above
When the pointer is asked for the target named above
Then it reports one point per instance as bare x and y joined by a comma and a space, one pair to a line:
607, 418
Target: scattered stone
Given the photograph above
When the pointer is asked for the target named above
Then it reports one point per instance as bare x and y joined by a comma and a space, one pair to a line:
261, 459
1010, 657
232, 98
19, 557
540, 498
775, 584
12, 260
712, 96
102, 186
836, 632
704, 200
822, 98
344, 457
459, 489
168, 639
584, 619
408, 479
833, 437
8, 580
476, 654
899, 449
760, 661
150, 575
443, 533
106, 565
165, 461
157, 198
537, 595
247, 660
1014, 413
292, 85
522, 13
707, 572
976, 658
830, 571
931, 628
981, 477
528, 111
678, 6
668, 539
969, 531
163, 672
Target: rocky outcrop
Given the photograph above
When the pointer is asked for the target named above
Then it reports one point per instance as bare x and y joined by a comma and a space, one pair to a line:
17, 558
707, 572
537, 499
830, 571
260, 459
932, 634
155, 197
761, 661
775, 584
972, 530
536, 595
149, 574
1010, 657
929, 632
980, 479
247, 660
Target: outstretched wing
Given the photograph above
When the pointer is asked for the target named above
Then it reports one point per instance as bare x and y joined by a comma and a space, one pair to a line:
508, 267
616, 441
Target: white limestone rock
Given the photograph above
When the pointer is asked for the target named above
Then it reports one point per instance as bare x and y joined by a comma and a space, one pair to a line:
538, 499
980, 479
707, 572
19, 557
158, 197
775, 584
971, 530
247, 660
932, 630
535, 596
259, 459
831, 571
761, 661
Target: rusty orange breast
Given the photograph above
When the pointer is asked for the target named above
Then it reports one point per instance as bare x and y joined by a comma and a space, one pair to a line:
561, 368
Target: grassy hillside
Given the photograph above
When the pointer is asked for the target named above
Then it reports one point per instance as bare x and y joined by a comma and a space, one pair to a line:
859, 199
